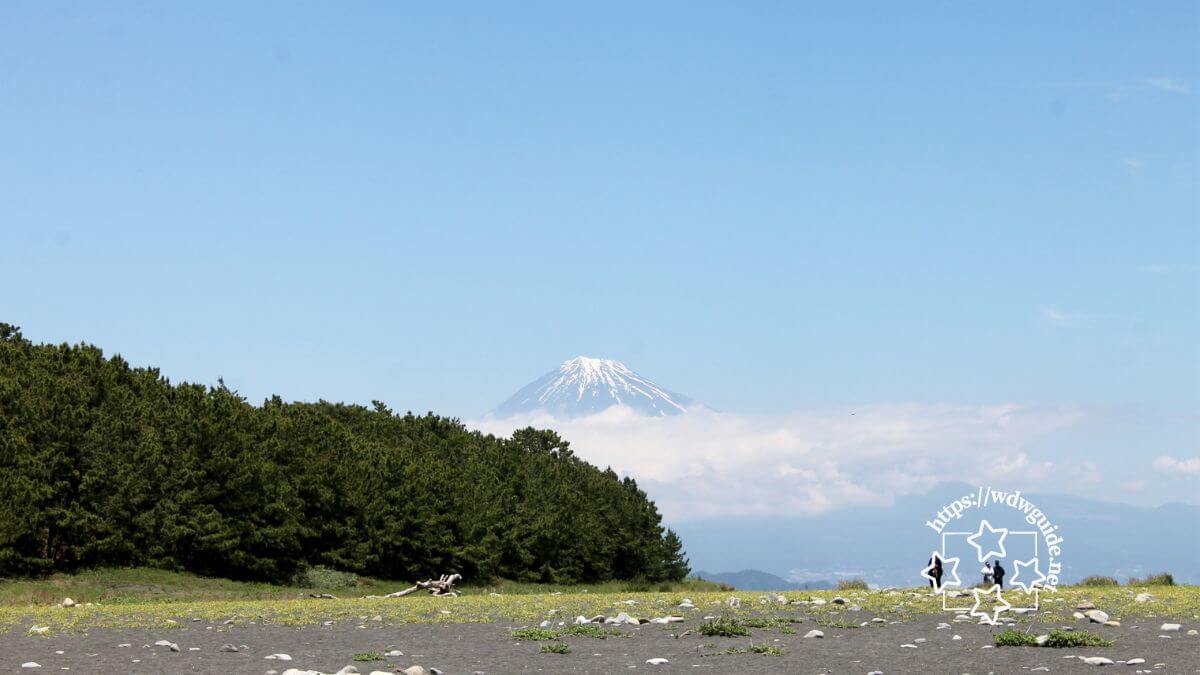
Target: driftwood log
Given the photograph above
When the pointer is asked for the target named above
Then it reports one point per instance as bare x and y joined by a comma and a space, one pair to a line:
441, 586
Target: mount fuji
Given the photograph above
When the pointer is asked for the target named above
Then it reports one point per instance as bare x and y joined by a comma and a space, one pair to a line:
585, 386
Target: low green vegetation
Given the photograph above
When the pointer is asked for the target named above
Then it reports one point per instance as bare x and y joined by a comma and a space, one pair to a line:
593, 631
836, 623
1076, 638
535, 634
724, 627
1094, 581
368, 656
326, 578
156, 599
1056, 639
585, 630
556, 648
1162, 579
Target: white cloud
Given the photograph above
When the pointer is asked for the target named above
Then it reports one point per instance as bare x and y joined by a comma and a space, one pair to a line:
707, 463
1168, 464
1169, 84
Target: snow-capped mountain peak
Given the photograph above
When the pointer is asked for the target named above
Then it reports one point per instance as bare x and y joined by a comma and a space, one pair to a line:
583, 386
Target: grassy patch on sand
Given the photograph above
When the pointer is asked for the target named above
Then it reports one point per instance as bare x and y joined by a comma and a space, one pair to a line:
1057, 638
155, 599
140, 585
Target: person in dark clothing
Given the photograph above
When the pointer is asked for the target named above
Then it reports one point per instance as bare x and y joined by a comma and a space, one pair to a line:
936, 562
998, 574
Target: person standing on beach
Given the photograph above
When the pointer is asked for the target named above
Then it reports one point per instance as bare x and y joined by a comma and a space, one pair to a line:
935, 561
998, 574
987, 574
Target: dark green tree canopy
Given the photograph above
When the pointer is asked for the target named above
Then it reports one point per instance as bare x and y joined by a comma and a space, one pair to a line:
105, 464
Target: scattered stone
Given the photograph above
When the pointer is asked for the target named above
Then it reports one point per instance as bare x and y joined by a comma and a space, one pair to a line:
393, 652
657, 661
622, 618
168, 644
228, 648
1134, 662
956, 637
814, 633
39, 630
734, 602
31, 664
415, 670
1170, 627
667, 619
278, 657
1193, 632
817, 601
67, 602
1096, 615
839, 600
878, 620
1098, 661
1142, 597
1113, 622
908, 646
855, 608
1042, 640
1085, 605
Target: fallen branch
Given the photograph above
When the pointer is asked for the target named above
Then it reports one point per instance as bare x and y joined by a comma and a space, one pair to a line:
442, 586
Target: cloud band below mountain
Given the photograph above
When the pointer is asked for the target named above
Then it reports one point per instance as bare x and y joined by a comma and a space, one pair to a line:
706, 463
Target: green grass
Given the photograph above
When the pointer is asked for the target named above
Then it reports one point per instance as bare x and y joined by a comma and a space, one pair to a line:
1162, 579
138, 585
1057, 638
368, 656
1076, 638
586, 630
1093, 581
157, 599
593, 631
724, 627
556, 648
836, 623
535, 634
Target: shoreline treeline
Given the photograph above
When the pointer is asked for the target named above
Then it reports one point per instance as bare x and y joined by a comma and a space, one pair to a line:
103, 464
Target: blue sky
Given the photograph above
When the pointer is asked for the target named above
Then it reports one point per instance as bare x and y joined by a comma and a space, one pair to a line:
766, 206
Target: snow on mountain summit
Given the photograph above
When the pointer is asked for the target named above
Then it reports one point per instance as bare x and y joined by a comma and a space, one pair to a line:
584, 386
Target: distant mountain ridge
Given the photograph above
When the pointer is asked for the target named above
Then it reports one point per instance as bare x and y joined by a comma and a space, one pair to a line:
758, 580
888, 545
585, 386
